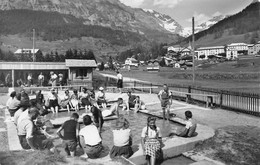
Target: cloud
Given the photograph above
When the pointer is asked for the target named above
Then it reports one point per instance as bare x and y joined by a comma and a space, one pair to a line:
166, 3
199, 18
133, 3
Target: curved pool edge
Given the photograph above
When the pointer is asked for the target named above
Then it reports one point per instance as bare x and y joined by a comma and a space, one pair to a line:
176, 145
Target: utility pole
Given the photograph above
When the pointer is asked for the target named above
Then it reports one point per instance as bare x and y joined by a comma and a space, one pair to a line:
34, 58
193, 52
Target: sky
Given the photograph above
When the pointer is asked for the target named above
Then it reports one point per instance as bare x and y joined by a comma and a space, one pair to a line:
182, 11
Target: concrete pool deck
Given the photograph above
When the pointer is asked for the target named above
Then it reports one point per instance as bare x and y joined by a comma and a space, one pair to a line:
208, 119
172, 146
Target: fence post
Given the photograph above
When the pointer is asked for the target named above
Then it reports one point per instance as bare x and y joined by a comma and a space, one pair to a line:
188, 96
134, 83
221, 99
106, 81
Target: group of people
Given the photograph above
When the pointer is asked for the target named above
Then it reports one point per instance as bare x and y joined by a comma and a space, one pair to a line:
89, 137
30, 128
86, 99
32, 134
53, 81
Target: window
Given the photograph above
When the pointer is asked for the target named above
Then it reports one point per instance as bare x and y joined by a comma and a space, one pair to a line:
81, 73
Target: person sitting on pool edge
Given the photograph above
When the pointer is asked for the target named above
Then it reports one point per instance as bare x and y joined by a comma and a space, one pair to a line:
113, 109
90, 139
122, 139
189, 129
133, 102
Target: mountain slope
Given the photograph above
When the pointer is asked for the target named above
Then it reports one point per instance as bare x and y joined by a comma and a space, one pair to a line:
244, 23
106, 13
204, 26
166, 21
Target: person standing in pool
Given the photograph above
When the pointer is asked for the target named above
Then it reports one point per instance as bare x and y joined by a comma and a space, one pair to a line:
97, 118
151, 141
119, 81
165, 97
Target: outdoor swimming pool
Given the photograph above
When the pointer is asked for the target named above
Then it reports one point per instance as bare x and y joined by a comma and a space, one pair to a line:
137, 122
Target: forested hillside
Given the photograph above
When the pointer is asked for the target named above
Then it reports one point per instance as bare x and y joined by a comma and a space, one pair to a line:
51, 26
246, 22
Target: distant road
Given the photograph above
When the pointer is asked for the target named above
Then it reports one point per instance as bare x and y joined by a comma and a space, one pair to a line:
128, 79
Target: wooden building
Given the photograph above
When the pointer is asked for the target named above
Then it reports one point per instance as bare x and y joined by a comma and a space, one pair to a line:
78, 72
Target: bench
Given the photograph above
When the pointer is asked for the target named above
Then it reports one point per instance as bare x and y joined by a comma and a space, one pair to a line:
209, 97
137, 87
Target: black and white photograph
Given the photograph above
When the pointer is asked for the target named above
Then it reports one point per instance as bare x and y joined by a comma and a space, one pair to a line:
129, 82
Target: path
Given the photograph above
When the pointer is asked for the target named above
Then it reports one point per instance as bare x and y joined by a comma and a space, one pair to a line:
128, 79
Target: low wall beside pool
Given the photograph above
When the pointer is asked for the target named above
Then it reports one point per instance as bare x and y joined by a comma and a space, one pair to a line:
176, 145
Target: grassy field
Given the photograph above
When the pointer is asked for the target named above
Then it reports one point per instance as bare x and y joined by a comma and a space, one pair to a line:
241, 76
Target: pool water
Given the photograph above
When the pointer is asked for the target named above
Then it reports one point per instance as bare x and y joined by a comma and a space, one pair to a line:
137, 122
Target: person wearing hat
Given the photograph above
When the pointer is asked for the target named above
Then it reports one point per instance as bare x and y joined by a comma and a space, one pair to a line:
90, 139
151, 140
101, 98
53, 79
122, 139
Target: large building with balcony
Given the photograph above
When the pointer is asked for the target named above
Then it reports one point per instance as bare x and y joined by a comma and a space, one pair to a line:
234, 49
205, 52
254, 49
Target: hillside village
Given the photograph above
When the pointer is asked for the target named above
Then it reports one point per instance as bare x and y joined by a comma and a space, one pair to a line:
181, 57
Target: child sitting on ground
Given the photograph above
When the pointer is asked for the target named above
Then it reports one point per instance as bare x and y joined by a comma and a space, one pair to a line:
189, 129
139, 105
71, 132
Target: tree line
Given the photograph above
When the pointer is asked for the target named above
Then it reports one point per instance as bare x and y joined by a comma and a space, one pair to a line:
48, 57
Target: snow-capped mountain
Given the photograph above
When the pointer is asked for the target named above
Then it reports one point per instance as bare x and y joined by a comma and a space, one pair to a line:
188, 30
166, 21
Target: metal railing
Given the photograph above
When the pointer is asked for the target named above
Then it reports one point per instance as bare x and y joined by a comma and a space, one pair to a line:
237, 101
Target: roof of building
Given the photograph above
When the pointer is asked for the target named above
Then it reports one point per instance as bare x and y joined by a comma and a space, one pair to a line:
80, 63
212, 47
131, 59
32, 65
237, 44
19, 51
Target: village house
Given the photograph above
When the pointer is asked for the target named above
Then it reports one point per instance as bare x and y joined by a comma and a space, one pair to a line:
254, 49
175, 49
205, 52
131, 62
26, 53
235, 49
185, 51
